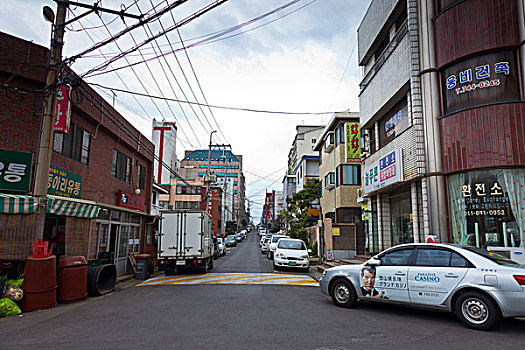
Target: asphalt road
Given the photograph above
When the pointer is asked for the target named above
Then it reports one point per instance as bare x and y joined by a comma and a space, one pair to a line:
242, 317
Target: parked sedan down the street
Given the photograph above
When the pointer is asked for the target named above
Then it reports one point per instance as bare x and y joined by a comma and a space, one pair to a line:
291, 253
478, 286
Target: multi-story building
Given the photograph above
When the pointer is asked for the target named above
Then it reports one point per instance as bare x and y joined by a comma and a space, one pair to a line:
441, 112
227, 167
289, 187
100, 179
164, 137
302, 160
340, 175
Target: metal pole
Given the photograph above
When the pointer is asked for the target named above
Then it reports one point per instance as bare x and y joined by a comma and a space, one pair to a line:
207, 180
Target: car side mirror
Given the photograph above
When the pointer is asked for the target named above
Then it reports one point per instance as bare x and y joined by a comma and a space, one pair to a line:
309, 251
373, 262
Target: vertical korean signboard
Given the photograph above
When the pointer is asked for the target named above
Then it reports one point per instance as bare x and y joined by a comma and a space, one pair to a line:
63, 110
386, 171
15, 170
352, 143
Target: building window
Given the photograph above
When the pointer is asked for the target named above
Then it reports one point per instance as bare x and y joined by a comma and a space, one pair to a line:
320, 156
348, 174
181, 189
142, 176
74, 145
121, 168
329, 180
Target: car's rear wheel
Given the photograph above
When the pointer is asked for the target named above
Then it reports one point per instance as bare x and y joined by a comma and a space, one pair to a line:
343, 293
476, 310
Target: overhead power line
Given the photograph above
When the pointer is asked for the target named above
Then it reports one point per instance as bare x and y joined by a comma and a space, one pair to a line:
187, 20
211, 106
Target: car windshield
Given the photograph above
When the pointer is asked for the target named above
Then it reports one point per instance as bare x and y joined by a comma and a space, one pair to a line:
286, 244
266, 240
492, 256
275, 239
228, 239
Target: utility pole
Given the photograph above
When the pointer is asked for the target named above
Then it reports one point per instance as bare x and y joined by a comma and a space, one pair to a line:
207, 180
47, 128
47, 132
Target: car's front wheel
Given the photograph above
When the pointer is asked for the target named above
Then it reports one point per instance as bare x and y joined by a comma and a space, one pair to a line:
477, 311
343, 293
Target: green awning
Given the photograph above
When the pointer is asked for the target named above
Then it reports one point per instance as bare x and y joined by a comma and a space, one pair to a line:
18, 204
71, 207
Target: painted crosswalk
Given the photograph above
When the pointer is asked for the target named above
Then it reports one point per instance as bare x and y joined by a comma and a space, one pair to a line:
234, 278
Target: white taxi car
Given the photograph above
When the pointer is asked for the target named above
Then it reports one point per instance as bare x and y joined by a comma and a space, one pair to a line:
478, 286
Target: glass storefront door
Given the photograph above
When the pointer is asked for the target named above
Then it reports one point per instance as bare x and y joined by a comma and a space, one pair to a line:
401, 216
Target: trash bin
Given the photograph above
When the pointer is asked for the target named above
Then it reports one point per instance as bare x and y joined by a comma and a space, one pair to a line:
142, 266
72, 279
40, 284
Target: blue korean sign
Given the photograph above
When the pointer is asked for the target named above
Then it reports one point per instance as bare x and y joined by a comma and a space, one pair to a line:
383, 172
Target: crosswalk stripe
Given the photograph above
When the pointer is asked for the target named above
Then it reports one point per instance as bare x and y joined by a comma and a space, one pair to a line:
233, 278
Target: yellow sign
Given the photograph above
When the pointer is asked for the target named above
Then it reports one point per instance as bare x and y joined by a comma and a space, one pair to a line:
353, 142
336, 231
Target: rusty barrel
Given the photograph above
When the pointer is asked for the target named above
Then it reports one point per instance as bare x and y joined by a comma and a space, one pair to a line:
72, 279
40, 284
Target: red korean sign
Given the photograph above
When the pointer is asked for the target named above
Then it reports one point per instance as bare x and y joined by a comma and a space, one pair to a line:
130, 201
63, 110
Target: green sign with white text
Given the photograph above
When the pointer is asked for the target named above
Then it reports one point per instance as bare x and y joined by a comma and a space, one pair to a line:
15, 170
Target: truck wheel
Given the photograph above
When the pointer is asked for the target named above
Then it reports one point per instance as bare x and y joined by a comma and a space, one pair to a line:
168, 270
210, 267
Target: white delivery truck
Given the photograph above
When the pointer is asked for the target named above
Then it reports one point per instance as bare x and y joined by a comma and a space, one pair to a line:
185, 241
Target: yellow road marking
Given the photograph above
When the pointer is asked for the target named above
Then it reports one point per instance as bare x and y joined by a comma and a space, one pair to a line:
228, 279
270, 279
171, 280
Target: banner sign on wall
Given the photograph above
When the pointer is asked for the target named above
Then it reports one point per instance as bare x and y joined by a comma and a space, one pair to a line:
63, 110
394, 123
386, 171
130, 201
15, 170
484, 79
352, 143
64, 183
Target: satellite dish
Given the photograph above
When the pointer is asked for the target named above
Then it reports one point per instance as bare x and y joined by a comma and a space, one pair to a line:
49, 15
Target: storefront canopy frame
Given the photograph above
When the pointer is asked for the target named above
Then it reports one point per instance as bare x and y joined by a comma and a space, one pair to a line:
18, 204
72, 207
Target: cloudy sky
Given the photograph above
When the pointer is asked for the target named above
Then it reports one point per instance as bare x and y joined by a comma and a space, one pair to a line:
293, 56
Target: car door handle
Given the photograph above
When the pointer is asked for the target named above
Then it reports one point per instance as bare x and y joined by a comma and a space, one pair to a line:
451, 275
399, 273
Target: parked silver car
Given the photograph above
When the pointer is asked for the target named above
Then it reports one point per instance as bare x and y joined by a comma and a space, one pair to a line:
478, 286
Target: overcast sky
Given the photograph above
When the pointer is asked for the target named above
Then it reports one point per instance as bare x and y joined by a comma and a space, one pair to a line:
291, 60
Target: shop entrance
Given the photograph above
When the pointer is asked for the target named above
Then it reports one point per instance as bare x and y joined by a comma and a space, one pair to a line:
401, 218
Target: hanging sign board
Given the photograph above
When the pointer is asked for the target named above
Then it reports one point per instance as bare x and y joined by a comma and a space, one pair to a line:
63, 110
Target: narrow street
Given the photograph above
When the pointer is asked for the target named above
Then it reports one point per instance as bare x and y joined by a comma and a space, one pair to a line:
238, 316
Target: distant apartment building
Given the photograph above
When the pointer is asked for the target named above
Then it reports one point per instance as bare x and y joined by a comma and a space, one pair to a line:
289, 187
303, 161
227, 168
164, 137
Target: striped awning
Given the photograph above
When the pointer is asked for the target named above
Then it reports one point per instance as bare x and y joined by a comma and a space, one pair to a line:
18, 204
71, 207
